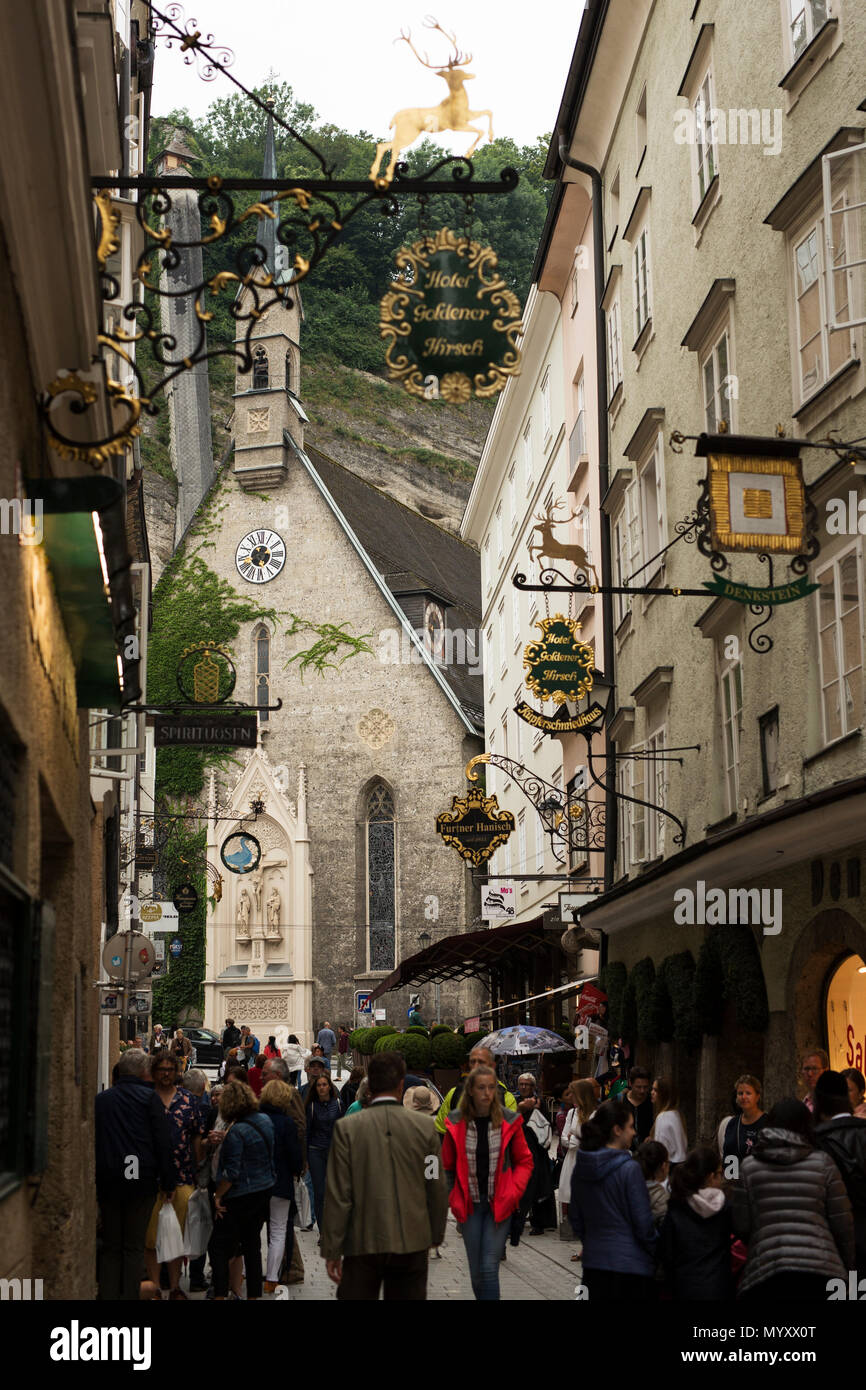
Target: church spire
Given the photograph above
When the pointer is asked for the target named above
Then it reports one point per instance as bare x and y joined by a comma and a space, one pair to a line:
267, 226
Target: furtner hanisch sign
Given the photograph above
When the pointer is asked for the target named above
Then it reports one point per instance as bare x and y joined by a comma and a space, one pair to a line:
206, 730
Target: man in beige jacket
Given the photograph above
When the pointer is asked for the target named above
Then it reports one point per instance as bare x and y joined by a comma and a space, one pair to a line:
386, 1197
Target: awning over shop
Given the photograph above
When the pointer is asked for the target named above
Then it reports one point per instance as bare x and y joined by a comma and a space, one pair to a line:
465, 955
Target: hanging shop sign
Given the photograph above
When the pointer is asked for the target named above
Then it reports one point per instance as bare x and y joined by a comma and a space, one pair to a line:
205, 674
206, 730
186, 899
241, 853
158, 916
451, 324
146, 856
475, 826
498, 902
128, 956
558, 666
561, 722
750, 593
176, 947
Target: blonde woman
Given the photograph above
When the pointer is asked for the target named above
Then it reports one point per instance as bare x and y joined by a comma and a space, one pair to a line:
276, 1102
581, 1095
668, 1128
488, 1166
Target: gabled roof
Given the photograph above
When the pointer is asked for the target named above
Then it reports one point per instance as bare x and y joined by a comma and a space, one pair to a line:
408, 552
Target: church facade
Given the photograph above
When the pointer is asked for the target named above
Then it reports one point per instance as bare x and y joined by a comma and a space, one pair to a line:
353, 768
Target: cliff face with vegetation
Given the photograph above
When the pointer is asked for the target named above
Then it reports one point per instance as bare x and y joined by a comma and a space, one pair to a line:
424, 453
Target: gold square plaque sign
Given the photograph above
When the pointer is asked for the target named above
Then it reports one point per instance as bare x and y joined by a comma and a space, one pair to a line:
757, 504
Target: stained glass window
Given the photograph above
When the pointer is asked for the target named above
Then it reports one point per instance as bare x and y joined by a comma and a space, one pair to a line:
380, 877
260, 369
263, 665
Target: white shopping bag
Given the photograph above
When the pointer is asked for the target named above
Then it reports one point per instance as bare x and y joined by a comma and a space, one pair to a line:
169, 1236
199, 1224
303, 1213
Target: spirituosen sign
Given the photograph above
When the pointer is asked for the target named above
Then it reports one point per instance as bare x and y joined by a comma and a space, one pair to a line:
558, 666
206, 730
451, 323
475, 826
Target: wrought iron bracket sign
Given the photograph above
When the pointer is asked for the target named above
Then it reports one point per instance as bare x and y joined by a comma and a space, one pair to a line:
558, 665
185, 898
577, 826
241, 853
206, 731
475, 826
450, 322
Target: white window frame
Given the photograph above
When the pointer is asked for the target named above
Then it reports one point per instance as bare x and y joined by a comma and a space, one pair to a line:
613, 198
847, 723
793, 10
488, 566
614, 345
527, 456
580, 416
653, 512
853, 259
705, 147
575, 290
499, 541
814, 227
640, 128
647, 827
626, 532
489, 663
512, 494
731, 721
545, 407
503, 637
641, 279
721, 395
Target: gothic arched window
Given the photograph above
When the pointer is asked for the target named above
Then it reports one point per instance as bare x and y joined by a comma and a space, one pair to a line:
262, 640
290, 380
381, 876
260, 369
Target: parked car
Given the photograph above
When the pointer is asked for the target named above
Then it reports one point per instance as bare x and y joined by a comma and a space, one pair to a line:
208, 1048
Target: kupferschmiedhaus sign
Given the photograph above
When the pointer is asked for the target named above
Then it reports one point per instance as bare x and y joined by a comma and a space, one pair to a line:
451, 323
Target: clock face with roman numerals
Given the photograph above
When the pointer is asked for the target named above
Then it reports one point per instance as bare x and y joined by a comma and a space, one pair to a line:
260, 556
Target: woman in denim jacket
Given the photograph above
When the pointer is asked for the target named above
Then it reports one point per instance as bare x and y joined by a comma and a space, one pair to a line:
246, 1178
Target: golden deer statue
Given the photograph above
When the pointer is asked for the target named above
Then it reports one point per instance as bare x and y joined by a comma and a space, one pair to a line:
549, 548
451, 114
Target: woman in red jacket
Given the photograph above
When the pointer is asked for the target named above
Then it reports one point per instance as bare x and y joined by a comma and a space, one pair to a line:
488, 1166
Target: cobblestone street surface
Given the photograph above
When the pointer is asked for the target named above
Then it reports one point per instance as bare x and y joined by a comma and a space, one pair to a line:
539, 1270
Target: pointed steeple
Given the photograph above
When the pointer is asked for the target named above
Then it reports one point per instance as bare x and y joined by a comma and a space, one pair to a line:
277, 262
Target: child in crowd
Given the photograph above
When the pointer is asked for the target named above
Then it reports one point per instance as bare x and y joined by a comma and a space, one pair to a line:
655, 1166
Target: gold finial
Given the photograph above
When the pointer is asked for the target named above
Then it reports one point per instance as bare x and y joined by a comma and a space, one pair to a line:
481, 758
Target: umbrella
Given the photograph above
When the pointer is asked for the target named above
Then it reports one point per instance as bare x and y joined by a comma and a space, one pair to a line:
523, 1040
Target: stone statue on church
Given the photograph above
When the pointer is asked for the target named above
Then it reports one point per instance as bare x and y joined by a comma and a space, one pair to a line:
274, 908
243, 914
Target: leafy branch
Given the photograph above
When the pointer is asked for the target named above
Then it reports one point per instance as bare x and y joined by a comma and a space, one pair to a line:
331, 638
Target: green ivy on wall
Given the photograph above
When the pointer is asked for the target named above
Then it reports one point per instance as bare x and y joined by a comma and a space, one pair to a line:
183, 859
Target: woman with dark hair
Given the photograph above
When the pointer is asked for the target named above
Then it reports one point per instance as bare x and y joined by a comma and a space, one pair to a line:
323, 1111
695, 1237
488, 1166
349, 1091
610, 1209
856, 1091
793, 1212
245, 1180
270, 1048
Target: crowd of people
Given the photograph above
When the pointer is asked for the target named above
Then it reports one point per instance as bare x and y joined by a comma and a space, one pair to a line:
774, 1208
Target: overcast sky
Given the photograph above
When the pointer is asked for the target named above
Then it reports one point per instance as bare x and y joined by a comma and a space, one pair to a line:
339, 55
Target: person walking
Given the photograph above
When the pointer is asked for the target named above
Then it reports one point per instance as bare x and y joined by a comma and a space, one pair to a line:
638, 1097
130, 1125
315, 1069
295, 1055
856, 1091
323, 1111
245, 1179
181, 1048
159, 1040
478, 1057
843, 1136
249, 1045
270, 1048
610, 1210
231, 1036
276, 1103
652, 1159
583, 1104
695, 1236
488, 1165
362, 1098
343, 1057
792, 1212
327, 1041
187, 1127
349, 1089
537, 1200
668, 1127
737, 1133
386, 1200
814, 1064
254, 1074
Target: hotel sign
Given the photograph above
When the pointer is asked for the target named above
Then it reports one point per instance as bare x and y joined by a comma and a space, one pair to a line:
558, 666
450, 321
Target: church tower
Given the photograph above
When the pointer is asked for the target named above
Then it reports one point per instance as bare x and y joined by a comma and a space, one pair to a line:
189, 393
267, 404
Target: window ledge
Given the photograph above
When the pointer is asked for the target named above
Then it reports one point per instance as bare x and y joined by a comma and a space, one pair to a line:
719, 825
817, 49
616, 402
706, 205
613, 239
647, 864
642, 342
624, 628
831, 747
820, 396
640, 161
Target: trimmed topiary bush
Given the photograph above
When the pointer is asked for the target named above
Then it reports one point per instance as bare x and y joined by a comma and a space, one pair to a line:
386, 1028
448, 1049
355, 1038
414, 1048
661, 1006
385, 1042
418, 1028
729, 967
612, 980
679, 973
441, 1028
642, 978
473, 1038
366, 1039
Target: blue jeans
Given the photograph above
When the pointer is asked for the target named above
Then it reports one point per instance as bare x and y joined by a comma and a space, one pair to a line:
485, 1241
318, 1161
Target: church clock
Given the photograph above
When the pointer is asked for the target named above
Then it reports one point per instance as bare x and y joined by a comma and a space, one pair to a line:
434, 624
260, 556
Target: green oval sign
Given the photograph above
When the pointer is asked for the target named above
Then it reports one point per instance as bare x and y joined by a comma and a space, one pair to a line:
558, 666
451, 323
